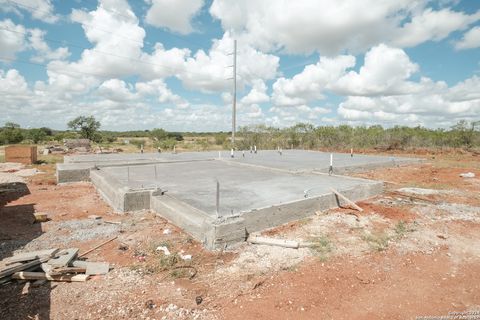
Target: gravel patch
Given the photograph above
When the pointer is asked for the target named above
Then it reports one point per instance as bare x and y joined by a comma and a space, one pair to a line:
63, 233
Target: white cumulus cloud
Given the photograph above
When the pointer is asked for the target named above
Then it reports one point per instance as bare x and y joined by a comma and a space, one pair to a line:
333, 27
39, 9
12, 39
470, 40
173, 15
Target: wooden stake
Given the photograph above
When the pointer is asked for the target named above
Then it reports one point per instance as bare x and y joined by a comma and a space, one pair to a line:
350, 202
95, 248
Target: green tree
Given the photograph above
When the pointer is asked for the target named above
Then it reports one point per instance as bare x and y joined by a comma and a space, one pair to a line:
465, 132
11, 125
36, 135
11, 133
159, 134
87, 127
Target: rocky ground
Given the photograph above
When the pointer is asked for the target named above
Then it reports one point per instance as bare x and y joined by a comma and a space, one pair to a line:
413, 251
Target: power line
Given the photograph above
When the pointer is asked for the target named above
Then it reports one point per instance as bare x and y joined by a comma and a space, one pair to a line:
57, 71
105, 30
84, 23
62, 42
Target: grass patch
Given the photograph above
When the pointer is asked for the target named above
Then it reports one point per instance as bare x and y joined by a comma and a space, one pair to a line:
50, 158
158, 264
321, 246
402, 228
180, 273
378, 241
153, 245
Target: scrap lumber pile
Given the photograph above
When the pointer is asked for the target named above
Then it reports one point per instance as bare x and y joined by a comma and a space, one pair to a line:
80, 145
50, 265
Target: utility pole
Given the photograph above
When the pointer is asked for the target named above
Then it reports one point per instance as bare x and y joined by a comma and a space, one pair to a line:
234, 106
234, 98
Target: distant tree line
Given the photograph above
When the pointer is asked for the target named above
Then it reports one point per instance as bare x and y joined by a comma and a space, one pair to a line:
464, 134
86, 127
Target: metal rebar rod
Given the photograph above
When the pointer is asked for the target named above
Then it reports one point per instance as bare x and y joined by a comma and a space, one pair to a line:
217, 203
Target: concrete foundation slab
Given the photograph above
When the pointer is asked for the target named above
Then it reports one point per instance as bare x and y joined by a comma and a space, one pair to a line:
241, 188
257, 191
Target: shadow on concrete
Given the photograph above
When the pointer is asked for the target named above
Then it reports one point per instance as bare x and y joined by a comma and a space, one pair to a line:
18, 228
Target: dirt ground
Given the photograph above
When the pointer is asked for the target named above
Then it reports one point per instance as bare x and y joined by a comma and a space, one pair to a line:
414, 251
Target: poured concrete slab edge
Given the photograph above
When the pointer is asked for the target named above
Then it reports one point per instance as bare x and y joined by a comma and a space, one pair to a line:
74, 172
225, 231
119, 197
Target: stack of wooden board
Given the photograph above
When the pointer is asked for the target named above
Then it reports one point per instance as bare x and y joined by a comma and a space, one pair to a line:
51, 265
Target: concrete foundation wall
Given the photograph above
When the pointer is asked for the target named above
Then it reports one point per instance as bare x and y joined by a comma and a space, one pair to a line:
111, 191
262, 197
370, 166
121, 199
73, 172
236, 229
226, 231
195, 222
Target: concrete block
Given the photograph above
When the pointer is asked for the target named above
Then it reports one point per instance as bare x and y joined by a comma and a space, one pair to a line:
73, 172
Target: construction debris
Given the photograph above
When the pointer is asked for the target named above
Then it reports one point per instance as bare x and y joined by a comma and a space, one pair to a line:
112, 222
43, 276
350, 202
40, 217
411, 197
80, 145
96, 247
467, 175
273, 242
64, 257
27, 256
50, 265
164, 249
92, 268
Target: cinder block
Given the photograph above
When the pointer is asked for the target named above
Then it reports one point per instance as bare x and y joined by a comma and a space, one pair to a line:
21, 154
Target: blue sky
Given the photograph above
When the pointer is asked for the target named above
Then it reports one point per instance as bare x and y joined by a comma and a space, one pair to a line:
163, 63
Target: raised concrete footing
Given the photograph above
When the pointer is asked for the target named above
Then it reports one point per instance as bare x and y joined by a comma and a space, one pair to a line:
221, 232
255, 193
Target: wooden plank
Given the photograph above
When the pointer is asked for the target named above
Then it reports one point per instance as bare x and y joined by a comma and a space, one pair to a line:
350, 202
6, 266
32, 255
63, 258
93, 268
65, 270
44, 276
23, 266
273, 242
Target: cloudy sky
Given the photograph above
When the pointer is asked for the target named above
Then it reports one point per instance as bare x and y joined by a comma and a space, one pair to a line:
165, 63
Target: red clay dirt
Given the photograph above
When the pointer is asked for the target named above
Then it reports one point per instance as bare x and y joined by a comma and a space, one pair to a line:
398, 282
378, 286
